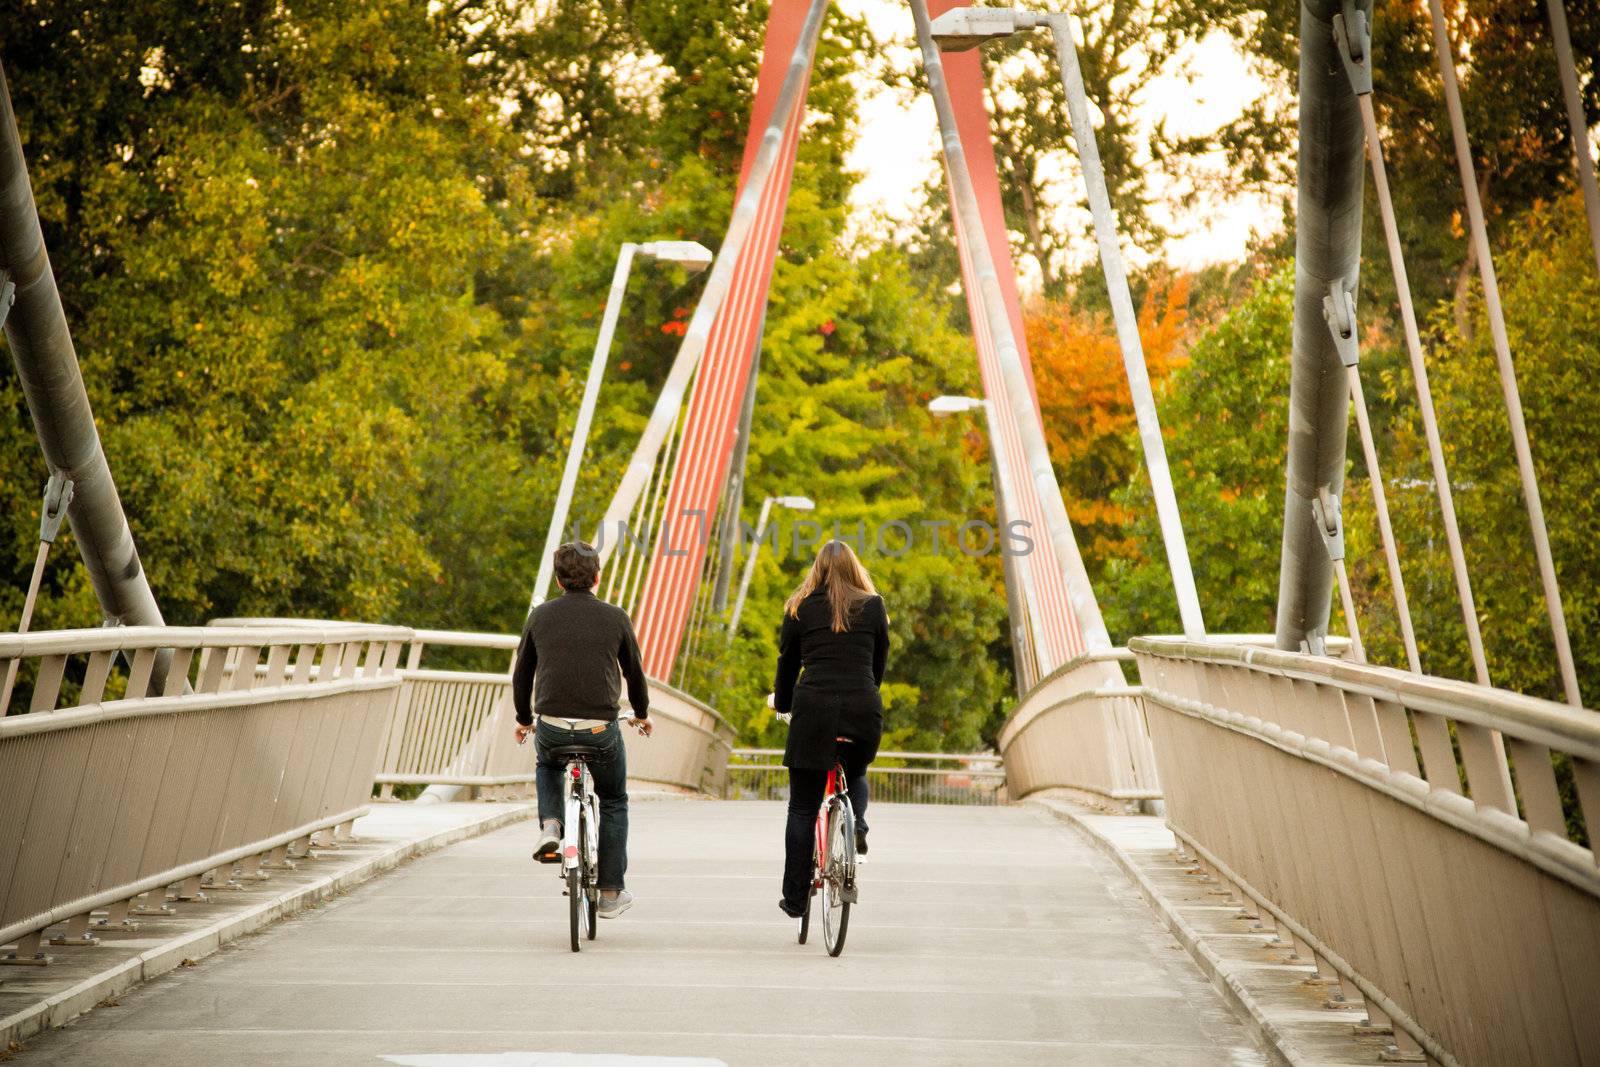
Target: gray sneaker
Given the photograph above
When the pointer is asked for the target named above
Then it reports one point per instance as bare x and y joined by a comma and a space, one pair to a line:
611, 907
548, 850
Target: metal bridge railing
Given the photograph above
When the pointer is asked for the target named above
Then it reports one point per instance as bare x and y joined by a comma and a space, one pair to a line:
455, 728
894, 778
1411, 835
1082, 727
110, 796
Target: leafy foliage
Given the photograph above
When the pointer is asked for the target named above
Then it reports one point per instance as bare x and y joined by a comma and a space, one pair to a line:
1226, 416
1552, 306
335, 270
1088, 411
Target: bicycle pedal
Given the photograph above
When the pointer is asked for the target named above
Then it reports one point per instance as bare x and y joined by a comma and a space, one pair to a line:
848, 894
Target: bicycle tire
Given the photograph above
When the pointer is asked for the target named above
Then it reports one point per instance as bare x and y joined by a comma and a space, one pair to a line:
591, 879
838, 872
575, 906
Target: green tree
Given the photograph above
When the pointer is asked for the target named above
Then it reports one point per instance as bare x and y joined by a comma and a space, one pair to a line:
335, 270
1225, 414
1552, 307
854, 352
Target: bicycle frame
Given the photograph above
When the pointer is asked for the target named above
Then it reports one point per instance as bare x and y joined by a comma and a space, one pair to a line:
834, 787
581, 800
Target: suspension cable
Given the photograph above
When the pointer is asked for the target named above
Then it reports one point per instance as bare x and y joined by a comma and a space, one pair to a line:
1325, 511
57, 496
1502, 349
652, 527
710, 558
1577, 121
621, 554
1408, 634
1357, 649
1419, 368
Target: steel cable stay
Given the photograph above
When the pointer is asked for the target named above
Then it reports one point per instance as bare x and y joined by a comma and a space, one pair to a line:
711, 557
642, 551
1058, 638
1502, 348
736, 336
1355, 42
670, 401
667, 598
733, 514
1126, 320
1577, 121
1035, 450
1380, 501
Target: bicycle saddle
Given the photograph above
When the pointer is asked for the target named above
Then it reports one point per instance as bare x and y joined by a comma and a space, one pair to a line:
571, 753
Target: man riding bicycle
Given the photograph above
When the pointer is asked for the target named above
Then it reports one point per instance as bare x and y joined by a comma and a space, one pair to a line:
576, 650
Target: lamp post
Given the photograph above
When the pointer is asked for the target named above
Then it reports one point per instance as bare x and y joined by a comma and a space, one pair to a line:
965, 28
1021, 595
690, 254
796, 503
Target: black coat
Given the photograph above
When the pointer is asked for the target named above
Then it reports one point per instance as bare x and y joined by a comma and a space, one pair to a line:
829, 681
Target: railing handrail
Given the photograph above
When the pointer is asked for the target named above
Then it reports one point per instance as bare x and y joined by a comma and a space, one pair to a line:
449, 638
143, 707
135, 638
466, 639
695, 702
961, 757
1119, 655
1125, 654
1575, 731
429, 674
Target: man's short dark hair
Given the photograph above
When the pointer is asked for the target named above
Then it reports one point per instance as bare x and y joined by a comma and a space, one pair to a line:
577, 565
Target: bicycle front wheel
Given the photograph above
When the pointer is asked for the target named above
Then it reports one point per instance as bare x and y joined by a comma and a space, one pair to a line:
838, 876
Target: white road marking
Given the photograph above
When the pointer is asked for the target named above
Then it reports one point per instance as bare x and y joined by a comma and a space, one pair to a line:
548, 1059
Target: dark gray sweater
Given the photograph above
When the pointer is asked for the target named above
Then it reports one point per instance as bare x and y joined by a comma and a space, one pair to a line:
576, 649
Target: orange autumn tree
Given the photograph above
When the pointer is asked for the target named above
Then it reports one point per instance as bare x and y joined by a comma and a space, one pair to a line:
1088, 411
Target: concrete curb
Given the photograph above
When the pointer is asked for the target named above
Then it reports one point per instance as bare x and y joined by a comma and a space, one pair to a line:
66, 1005
1224, 975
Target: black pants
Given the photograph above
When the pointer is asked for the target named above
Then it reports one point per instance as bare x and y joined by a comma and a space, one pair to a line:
608, 768
805, 799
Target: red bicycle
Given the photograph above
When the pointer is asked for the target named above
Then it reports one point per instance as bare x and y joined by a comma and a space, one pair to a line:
833, 863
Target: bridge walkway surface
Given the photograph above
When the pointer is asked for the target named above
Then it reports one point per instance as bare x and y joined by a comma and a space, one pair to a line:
984, 935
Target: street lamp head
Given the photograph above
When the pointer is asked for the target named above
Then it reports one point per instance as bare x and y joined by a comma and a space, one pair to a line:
798, 503
692, 255
954, 405
965, 28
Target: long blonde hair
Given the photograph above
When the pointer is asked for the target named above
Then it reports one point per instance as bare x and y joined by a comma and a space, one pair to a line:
849, 584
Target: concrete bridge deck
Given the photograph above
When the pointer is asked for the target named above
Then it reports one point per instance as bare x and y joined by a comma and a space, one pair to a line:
984, 935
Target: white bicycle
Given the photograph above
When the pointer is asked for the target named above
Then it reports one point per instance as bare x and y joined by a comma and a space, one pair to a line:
580, 839
580, 844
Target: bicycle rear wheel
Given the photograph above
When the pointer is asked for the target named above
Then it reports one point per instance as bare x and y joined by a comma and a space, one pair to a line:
805, 918
577, 906
589, 865
838, 875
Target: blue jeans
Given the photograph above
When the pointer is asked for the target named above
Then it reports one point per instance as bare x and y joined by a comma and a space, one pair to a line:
608, 767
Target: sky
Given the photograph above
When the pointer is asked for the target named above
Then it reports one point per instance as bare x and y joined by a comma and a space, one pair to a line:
898, 145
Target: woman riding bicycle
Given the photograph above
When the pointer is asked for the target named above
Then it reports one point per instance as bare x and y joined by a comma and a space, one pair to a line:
832, 650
